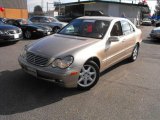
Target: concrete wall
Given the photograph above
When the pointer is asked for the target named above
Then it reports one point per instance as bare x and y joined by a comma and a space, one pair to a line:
115, 10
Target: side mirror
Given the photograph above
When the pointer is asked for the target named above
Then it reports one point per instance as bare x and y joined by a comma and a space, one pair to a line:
114, 39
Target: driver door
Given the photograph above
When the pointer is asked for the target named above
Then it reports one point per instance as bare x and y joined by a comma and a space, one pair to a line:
114, 50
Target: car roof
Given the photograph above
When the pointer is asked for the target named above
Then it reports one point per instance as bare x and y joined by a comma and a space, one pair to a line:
101, 18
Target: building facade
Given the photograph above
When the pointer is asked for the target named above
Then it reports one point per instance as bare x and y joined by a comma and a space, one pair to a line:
131, 11
14, 9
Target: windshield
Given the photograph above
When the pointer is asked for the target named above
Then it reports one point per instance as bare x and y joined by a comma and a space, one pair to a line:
86, 28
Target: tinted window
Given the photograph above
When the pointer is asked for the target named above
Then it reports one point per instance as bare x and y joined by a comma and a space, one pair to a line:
86, 28
117, 29
13, 22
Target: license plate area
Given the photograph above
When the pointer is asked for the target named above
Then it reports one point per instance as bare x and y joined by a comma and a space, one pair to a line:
16, 36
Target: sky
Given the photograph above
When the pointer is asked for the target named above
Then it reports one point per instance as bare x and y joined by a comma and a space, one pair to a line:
33, 3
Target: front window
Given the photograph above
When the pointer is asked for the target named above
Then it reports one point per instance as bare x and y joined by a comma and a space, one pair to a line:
51, 19
127, 28
86, 28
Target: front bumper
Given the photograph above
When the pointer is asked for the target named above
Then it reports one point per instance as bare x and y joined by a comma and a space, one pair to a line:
63, 77
7, 38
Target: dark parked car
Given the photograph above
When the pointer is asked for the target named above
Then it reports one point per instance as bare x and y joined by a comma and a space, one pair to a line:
30, 30
48, 21
9, 33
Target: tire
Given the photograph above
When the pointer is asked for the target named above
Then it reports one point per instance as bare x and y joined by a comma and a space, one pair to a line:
89, 76
135, 53
56, 29
27, 34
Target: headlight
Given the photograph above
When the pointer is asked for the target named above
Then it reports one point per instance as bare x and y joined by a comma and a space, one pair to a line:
63, 63
1, 32
40, 30
24, 51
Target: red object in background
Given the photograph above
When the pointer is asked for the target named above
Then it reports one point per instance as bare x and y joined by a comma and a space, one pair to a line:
89, 28
2, 9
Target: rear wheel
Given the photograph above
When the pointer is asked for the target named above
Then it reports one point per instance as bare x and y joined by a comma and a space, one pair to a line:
134, 53
27, 34
89, 76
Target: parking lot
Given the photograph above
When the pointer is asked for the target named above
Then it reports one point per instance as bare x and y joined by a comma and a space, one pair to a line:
126, 91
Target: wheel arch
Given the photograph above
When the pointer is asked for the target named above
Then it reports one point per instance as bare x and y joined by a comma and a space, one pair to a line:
96, 60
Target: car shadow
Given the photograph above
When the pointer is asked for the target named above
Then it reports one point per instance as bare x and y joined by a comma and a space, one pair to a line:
4, 44
20, 92
151, 41
24, 39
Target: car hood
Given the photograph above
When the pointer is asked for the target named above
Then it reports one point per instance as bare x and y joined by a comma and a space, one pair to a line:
59, 45
7, 27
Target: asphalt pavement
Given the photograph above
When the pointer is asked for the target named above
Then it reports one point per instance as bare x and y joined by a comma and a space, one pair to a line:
126, 91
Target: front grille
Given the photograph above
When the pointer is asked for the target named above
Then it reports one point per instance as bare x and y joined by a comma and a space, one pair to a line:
36, 59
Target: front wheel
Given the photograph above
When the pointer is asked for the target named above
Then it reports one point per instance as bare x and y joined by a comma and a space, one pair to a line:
28, 34
89, 76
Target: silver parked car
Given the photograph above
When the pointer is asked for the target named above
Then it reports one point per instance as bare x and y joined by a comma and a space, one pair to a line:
76, 55
49, 21
155, 33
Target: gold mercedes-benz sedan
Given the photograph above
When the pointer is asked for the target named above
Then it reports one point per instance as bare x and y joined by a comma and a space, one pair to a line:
75, 56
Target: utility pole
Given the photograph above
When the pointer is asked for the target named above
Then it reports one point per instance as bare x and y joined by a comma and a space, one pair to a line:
42, 3
47, 7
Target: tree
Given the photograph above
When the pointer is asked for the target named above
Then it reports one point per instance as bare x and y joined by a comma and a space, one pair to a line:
38, 10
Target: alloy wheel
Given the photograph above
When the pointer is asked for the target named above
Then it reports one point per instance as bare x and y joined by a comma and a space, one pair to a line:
87, 76
28, 34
